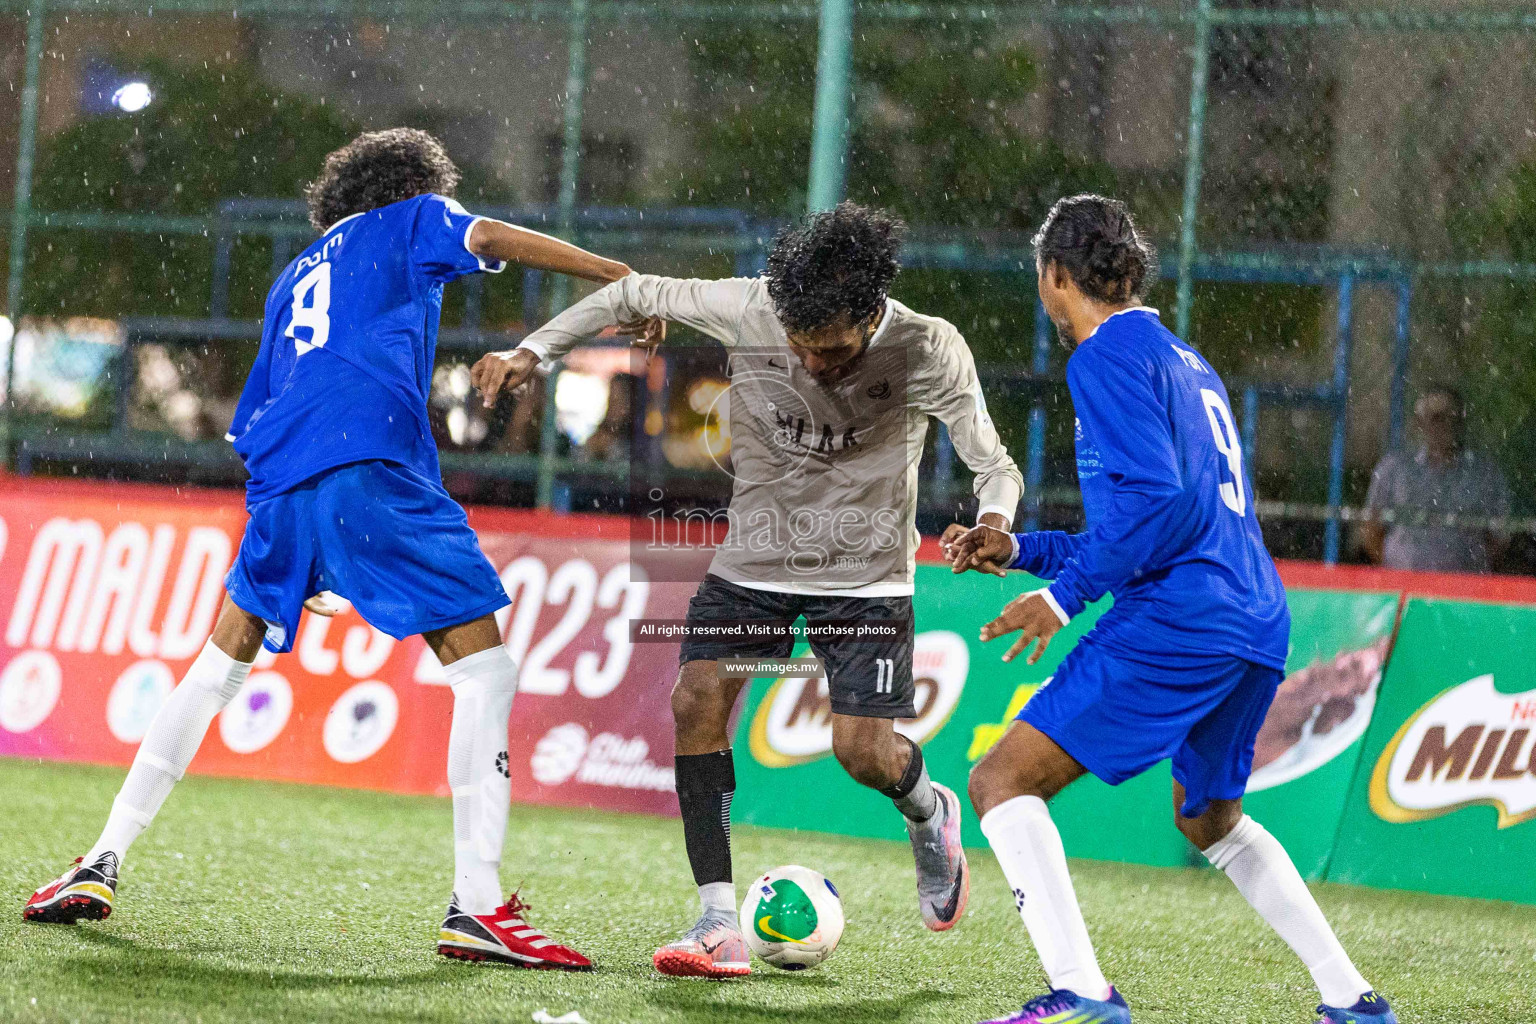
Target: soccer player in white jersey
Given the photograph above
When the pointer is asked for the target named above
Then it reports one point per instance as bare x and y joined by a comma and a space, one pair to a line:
345, 495
832, 385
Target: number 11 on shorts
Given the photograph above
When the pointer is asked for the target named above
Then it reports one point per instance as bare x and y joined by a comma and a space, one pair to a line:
885, 675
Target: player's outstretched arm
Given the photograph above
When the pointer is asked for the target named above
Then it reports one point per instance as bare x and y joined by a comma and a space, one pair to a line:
498, 240
637, 304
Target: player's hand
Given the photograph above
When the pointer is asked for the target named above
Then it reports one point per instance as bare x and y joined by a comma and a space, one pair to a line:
984, 549
320, 606
644, 334
1032, 617
952, 533
502, 371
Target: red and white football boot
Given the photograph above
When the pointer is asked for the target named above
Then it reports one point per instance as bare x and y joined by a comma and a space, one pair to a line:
504, 937
712, 948
83, 893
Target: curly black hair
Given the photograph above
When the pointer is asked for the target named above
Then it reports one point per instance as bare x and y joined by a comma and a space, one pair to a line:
376, 169
1094, 239
837, 266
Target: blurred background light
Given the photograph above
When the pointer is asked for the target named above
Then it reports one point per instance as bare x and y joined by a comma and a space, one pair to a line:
132, 96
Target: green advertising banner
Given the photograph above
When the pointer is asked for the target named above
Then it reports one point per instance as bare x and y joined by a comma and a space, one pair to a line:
966, 697
1445, 799
1306, 754
786, 775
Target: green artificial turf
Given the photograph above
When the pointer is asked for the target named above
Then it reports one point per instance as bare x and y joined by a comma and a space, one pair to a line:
264, 902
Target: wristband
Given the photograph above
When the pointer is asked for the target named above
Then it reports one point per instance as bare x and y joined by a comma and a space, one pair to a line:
1050, 599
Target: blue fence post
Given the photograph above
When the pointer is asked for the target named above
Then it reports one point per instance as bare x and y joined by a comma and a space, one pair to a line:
282, 252
1400, 353
21, 215
1251, 426
944, 461
474, 295
1341, 359
1034, 470
223, 258
533, 298
746, 262
560, 285
1194, 157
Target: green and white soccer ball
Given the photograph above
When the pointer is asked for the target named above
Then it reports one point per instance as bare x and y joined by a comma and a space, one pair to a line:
792, 917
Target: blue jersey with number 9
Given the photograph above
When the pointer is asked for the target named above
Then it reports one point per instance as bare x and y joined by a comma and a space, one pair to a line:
1171, 527
347, 347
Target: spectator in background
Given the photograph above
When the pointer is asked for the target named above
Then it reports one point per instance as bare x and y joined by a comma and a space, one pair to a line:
1443, 478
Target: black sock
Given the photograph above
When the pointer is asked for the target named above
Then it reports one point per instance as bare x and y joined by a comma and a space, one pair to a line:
705, 785
913, 793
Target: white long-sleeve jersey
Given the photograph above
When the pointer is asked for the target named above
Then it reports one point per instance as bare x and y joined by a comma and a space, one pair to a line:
824, 492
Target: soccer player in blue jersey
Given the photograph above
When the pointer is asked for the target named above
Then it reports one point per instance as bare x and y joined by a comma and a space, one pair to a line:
1186, 662
345, 495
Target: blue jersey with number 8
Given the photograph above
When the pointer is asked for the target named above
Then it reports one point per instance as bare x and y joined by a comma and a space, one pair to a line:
1171, 529
347, 347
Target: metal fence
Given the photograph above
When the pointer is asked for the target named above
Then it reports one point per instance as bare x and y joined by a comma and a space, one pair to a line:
1346, 198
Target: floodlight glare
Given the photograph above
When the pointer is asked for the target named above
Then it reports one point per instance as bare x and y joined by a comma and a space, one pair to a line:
132, 96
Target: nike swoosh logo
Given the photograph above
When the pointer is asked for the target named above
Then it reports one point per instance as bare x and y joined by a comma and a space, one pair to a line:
762, 926
948, 913
776, 366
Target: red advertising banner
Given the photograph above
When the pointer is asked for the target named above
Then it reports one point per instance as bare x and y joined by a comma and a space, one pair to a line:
108, 591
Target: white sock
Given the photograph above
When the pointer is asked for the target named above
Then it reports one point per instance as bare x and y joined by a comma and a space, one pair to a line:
168, 746
483, 687
1262, 871
1028, 847
718, 898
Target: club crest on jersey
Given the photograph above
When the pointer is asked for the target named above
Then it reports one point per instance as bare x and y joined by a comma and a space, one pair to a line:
1469, 745
791, 432
879, 391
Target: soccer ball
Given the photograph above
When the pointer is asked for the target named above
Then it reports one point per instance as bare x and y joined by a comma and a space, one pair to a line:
792, 917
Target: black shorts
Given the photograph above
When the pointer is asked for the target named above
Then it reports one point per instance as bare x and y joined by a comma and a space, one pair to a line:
868, 678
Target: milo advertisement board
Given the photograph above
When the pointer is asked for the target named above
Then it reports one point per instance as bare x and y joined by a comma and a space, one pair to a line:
786, 774
1445, 800
966, 697
1307, 752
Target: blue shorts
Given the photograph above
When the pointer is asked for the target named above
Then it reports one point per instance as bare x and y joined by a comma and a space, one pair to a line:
1119, 715
380, 535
